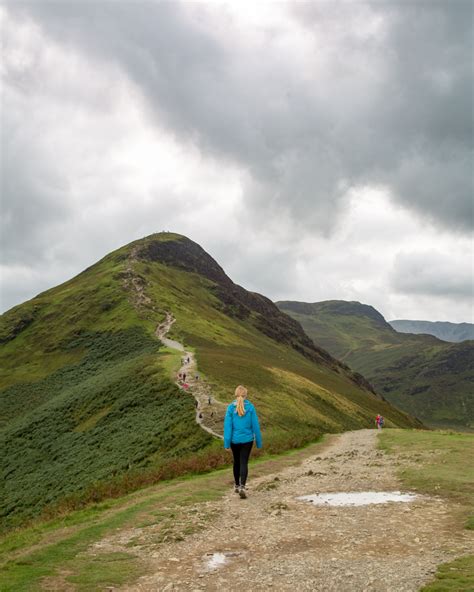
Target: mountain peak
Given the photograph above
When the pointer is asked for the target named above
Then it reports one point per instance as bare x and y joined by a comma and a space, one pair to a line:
181, 252
342, 307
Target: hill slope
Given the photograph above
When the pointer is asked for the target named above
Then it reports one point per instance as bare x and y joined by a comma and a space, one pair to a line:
426, 377
453, 332
89, 406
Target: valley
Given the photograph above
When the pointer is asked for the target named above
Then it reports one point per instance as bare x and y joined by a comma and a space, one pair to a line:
426, 377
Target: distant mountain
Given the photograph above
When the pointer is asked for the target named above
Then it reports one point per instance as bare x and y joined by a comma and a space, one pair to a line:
88, 404
453, 332
427, 377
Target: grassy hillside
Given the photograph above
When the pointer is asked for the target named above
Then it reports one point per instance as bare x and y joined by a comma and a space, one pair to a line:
426, 377
89, 407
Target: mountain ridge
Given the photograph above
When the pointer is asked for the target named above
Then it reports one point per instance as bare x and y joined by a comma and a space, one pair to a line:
89, 405
444, 330
421, 374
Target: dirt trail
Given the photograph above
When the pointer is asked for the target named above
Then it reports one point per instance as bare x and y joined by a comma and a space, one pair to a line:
272, 540
209, 412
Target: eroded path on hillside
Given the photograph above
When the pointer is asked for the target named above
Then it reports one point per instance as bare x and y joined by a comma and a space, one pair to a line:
273, 540
209, 412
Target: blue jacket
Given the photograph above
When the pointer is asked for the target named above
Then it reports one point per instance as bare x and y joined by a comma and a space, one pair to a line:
238, 430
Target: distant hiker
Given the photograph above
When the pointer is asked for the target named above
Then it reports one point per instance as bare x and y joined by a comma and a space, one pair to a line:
189, 359
196, 404
377, 422
381, 422
241, 428
209, 400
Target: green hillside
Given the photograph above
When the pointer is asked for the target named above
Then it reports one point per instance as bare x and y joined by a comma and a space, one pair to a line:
426, 377
88, 404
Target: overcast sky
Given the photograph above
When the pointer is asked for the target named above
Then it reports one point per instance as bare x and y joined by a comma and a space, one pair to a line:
318, 150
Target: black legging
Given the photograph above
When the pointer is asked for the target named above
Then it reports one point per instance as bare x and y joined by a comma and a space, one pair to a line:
241, 454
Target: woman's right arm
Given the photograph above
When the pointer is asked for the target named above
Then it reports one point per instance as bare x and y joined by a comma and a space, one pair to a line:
228, 428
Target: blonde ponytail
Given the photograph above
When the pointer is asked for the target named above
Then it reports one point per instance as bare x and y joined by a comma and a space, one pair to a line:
240, 394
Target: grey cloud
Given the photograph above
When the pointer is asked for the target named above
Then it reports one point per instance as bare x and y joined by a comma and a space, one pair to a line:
393, 107
419, 133
34, 199
390, 107
432, 273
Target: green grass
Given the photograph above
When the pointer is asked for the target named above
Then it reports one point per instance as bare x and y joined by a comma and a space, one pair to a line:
456, 576
110, 569
115, 413
444, 467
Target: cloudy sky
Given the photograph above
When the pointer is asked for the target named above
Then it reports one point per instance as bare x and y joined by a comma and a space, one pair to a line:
317, 150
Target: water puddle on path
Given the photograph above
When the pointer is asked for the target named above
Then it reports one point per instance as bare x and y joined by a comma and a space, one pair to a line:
358, 498
216, 560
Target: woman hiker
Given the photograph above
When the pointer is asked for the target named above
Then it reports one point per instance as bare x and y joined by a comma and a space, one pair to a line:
241, 428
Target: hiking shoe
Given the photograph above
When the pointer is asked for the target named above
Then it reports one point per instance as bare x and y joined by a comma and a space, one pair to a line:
243, 493
236, 488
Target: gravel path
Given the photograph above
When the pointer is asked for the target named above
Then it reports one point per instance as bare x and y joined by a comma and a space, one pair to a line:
209, 412
274, 541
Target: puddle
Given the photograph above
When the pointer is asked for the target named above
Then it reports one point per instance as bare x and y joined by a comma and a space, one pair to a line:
217, 560
358, 498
